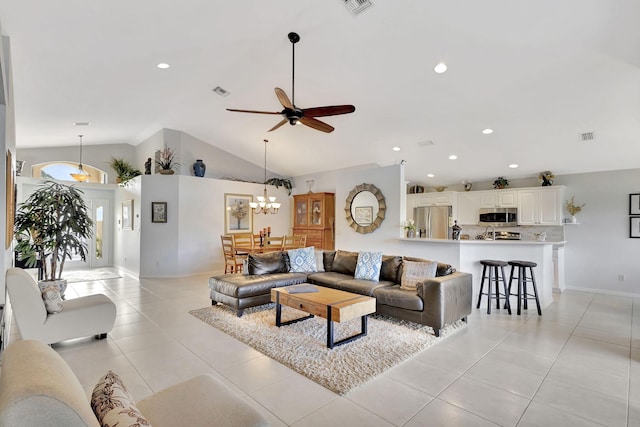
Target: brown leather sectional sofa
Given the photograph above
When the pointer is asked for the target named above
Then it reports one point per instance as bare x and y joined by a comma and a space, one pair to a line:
438, 301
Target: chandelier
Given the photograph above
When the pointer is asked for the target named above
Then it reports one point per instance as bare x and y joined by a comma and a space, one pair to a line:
265, 204
82, 176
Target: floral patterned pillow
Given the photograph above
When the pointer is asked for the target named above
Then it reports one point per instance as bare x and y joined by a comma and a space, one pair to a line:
52, 299
113, 404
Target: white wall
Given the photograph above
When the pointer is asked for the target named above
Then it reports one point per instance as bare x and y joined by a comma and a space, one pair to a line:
599, 248
126, 243
189, 243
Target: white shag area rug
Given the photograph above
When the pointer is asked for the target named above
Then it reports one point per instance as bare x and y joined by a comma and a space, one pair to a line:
302, 346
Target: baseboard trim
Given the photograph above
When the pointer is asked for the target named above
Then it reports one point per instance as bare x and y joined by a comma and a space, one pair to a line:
603, 292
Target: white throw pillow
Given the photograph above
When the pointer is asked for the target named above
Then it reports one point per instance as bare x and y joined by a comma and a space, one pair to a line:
368, 266
52, 299
302, 260
319, 260
415, 272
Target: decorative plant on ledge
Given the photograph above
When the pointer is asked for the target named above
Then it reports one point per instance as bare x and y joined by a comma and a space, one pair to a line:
167, 161
280, 182
124, 170
500, 182
546, 178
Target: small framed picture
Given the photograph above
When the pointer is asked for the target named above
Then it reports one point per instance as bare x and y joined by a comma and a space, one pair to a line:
238, 216
127, 215
158, 211
634, 227
363, 215
634, 204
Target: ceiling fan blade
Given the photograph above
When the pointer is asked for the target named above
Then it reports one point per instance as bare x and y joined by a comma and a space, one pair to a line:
316, 124
283, 121
253, 111
283, 98
333, 110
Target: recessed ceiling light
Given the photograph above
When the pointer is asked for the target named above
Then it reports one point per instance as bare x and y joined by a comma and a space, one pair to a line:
430, 175
453, 157
396, 148
440, 68
163, 65
513, 165
487, 131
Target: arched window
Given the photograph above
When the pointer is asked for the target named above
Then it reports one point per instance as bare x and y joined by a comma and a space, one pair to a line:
62, 171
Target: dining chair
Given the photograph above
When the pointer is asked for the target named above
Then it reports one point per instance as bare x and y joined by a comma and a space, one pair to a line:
294, 242
273, 243
242, 241
232, 260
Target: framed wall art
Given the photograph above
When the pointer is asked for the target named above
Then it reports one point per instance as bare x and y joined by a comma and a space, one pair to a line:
238, 217
127, 215
363, 215
158, 211
634, 204
634, 227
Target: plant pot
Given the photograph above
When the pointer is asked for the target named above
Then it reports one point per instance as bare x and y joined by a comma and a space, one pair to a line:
166, 171
574, 220
411, 234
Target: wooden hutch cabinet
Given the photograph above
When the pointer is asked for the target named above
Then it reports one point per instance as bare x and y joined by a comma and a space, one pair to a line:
314, 215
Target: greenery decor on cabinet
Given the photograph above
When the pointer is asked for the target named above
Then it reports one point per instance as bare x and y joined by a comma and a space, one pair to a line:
124, 170
51, 226
500, 182
546, 178
280, 182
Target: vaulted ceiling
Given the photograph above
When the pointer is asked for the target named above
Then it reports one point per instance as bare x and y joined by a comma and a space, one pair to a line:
539, 74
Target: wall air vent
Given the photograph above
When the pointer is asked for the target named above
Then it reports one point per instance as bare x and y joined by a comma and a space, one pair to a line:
221, 91
587, 137
357, 6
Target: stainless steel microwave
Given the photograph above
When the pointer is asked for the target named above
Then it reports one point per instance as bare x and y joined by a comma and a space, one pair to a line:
502, 217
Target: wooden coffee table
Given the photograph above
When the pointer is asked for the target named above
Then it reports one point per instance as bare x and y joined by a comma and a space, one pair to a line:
331, 304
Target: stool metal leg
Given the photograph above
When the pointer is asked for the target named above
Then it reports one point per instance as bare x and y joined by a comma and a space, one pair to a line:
489, 291
535, 292
520, 294
524, 287
506, 292
484, 271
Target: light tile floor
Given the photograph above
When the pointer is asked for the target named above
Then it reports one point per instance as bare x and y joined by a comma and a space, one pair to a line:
577, 365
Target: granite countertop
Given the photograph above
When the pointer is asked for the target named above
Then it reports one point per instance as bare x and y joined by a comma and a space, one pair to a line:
483, 242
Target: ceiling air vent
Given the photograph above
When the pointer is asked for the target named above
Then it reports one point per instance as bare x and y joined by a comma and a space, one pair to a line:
357, 6
587, 137
221, 91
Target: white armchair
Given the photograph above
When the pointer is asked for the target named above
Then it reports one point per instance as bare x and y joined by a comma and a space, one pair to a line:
80, 317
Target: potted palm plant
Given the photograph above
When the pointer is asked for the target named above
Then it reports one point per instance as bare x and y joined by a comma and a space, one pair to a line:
124, 170
51, 226
167, 161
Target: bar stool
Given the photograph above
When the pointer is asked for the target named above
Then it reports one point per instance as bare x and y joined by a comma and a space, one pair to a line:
495, 276
522, 294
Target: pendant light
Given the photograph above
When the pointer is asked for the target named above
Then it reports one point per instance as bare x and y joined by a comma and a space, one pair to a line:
265, 204
82, 176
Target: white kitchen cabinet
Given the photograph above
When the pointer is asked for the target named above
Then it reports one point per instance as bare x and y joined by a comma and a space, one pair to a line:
498, 199
540, 206
468, 207
445, 198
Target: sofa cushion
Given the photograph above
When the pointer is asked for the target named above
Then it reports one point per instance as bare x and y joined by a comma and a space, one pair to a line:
328, 278
390, 268
442, 270
368, 266
319, 260
345, 262
302, 260
359, 286
395, 296
327, 260
113, 404
416, 272
52, 299
241, 286
271, 262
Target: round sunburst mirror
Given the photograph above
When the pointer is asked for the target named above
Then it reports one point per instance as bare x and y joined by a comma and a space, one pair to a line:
365, 208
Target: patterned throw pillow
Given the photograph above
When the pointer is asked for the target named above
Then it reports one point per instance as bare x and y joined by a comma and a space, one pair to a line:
52, 299
415, 272
113, 404
368, 266
302, 260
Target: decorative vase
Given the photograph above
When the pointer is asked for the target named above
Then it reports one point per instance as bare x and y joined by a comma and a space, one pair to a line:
199, 168
166, 171
411, 234
574, 220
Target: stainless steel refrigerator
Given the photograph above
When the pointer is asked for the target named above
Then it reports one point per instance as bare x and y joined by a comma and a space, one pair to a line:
433, 222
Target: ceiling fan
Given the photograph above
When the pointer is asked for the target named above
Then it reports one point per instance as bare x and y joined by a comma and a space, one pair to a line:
295, 115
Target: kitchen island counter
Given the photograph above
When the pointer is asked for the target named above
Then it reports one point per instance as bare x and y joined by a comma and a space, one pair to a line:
466, 256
